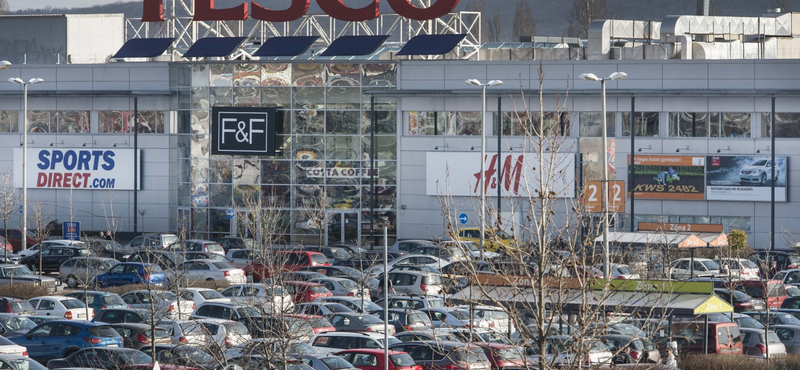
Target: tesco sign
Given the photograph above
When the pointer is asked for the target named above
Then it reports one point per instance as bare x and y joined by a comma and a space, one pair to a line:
79, 168
204, 10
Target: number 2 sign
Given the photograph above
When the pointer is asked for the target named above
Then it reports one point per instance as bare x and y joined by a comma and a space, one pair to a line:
593, 199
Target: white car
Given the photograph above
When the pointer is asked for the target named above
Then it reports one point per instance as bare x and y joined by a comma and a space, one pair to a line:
272, 298
357, 304
189, 332
738, 268
619, 271
759, 172
226, 333
8, 347
685, 268
342, 287
166, 304
335, 341
496, 317
410, 259
47, 244
560, 352
209, 271
200, 295
60, 306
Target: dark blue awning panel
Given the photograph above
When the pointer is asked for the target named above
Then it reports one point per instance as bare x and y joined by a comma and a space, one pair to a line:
354, 45
214, 47
144, 48
431, 44
285, 46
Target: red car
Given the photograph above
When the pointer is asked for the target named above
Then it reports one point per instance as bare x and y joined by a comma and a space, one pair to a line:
319, 323
755, 288
303, 291
372, 359
503, 355
283, 261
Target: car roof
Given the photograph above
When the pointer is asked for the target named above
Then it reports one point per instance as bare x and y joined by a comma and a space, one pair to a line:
375, 351
434, 343
350, 334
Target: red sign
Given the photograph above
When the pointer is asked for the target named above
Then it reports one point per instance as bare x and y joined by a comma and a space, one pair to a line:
153, 11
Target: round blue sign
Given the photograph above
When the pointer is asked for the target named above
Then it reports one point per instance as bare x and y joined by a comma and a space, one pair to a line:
463, 218
230, 213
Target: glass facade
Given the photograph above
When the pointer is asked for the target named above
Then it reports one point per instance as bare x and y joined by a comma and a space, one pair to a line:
323, 142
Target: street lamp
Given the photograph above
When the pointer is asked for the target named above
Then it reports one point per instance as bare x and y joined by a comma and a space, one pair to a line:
17, 80
613, 77
483, 86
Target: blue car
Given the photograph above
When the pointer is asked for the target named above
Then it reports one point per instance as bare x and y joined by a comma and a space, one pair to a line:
61, 338
131, 273
99, 300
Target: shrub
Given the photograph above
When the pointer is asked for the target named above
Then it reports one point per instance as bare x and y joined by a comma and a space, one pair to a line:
24, 290
716, 362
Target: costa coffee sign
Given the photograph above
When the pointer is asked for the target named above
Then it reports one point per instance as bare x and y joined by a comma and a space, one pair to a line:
204, 11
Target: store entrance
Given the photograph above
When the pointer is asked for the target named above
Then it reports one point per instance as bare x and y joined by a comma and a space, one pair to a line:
343, 227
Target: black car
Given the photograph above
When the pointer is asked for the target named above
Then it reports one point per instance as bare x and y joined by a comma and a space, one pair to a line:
742, 302
108, 358
53, 257
404, 319
108, 248
166, 260
118, 315
784, 259
182, 355
234, 242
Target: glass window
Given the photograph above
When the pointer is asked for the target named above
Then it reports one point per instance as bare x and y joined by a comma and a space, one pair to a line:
730, 124
380, 75
275, 74
786, 124
40, 121
73, 122
591, 124
468, 123
646, 123
9, 121
688, 124
114, 122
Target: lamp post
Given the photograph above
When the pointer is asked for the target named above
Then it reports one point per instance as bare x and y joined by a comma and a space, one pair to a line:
483, 86
17, 80
613, 77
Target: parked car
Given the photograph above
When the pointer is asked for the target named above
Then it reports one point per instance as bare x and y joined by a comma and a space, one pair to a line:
742, 301
561, 350
127, 273
447, 253
746, 321
166, 259
360, 323
404, 319
82, 270
472, 249
494, 240
320, 362
504, 356
62, 338
332, 342
200, 295
402, 247
283, 261
412, 260
416, 303
240, 257
414, 282
187, 332
226, 333
294, 348
425, 335
152, 241
218, 273
320, 308
318, 323
137, 336
98, 300
45, 244
17, 362
234, 242
451, 355
301, 276
738, 268
272, 298
12, 324
641, 348
789, 335
21, 274
724, 338
357, 304
619, 271
774, 296
338, 271
118, 315
52, 257
196, 245
104, 358
108, 249
245, 314
181, 356
213, 257
14, 237
784, 259
755, 343
333, 253
8, 347
686, 268
61, 306
302, 291
373, 359
165, 303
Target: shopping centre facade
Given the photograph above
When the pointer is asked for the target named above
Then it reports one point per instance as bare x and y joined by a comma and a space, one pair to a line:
701, 116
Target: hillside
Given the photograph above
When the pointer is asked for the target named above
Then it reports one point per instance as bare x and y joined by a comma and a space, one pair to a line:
551, 16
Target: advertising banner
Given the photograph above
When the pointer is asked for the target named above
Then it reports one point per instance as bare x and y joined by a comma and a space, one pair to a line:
458, 174
668, 177
78, 168
243, 131
745, 178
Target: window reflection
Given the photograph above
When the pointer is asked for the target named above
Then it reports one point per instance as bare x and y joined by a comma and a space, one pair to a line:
9, 121
77, 122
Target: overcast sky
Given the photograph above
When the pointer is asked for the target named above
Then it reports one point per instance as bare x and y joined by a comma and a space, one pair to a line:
38, 4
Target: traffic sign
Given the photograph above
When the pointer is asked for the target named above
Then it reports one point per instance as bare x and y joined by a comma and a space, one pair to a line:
463, 218
593, 199
20, 209
230, 212
71, 230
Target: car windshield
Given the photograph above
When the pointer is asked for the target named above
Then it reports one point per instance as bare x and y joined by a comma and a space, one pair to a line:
21, 363
165, 295
17, 306
787, 319
236, 328
319, 258
103, 331
195, 354
135, 358
73, 303
624, 270
760, 163
17, 323
711, 265
748, 264
368, 320
741, 296
494, 337
369, 306
392, 341
348, 284
17, 271
336, 362
210, 294
509, 353
112, 299
773, 337
192, 328
748, 322
319, 322
247, 311
169, 239
402, 359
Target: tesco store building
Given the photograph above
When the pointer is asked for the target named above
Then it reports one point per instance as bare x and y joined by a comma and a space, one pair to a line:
701, 108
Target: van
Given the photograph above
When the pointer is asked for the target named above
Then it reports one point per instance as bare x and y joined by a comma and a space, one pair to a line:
755, 288
724, 338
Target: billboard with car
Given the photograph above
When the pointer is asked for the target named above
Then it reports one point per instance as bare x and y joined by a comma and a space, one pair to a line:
745, 178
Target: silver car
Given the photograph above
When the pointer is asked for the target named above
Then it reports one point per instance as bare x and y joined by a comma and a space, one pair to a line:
755, 345
342, 287
81, 270
789, 336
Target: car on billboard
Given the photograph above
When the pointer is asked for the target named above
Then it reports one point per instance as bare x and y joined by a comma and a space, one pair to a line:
759, 172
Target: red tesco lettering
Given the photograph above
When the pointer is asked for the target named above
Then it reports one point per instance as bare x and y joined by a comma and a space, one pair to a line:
153, 11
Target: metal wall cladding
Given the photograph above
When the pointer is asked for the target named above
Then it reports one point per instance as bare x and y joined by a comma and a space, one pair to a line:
769, 25
35, 40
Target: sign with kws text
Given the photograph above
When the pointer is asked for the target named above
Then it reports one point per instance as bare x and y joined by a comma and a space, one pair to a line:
78, 168
517, 175
243, 131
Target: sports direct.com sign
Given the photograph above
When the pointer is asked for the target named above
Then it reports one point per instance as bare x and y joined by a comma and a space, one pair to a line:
79, 169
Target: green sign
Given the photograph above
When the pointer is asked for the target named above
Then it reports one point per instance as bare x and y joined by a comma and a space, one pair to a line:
656, 286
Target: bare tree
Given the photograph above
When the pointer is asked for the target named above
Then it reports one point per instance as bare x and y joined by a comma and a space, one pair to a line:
314, 209
8, 198
524, 24
783, 4
39, 215
583, 13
